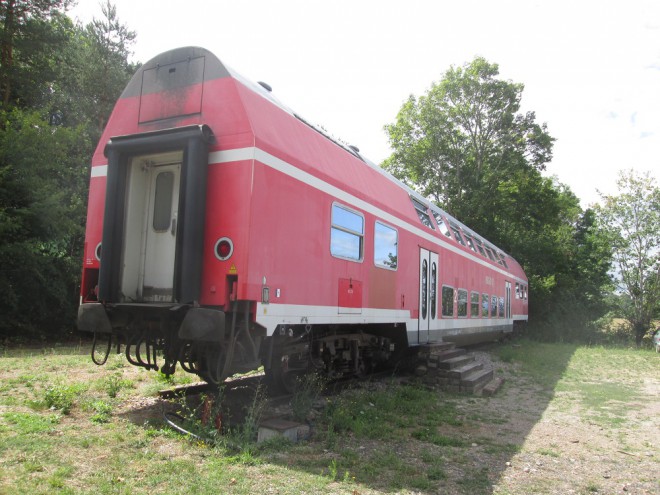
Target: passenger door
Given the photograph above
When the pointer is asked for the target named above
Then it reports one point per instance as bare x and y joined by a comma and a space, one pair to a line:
428, 294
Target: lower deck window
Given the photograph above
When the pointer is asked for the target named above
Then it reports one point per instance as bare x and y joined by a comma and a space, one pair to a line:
484, 305
493, 306
462, 303
474, 305
447, 301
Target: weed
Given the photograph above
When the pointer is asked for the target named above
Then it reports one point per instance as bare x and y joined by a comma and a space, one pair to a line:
113, 384
61, 397
332, 470
308, 390
548, 452
102, 411
247, 433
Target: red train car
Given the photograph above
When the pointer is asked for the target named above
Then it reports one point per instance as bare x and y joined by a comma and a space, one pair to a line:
225, 232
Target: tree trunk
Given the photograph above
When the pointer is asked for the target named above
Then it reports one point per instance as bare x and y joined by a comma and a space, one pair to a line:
640, 331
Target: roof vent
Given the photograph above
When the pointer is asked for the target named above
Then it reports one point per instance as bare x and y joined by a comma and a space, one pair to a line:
266, 86
354, 148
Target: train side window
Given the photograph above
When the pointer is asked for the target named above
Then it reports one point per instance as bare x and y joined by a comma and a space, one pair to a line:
480, 247
474, 304
442, 225
517, 290
447, 301
484, 305
386, 243
347, 233
525, 292
493, 306
462, 306
457, 234
422, 213
501, 306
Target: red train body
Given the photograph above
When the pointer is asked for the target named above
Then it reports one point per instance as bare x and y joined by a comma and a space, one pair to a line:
225, 232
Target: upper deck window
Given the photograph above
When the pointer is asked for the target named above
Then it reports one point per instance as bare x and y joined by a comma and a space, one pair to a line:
457, 234
490, 254
386, 244
347, 233
422, 213
480, 247
502, 260
442, 225
470, 242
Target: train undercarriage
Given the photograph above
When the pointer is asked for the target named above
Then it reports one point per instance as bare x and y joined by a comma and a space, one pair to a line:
215, 345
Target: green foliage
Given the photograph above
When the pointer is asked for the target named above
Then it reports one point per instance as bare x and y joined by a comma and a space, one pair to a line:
58, 82
631, 222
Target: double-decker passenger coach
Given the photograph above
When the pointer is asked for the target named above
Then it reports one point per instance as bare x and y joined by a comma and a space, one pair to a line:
224, 232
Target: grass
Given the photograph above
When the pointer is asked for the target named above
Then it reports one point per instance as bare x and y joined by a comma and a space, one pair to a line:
67, 426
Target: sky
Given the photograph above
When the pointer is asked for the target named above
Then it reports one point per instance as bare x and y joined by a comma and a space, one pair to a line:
591, 68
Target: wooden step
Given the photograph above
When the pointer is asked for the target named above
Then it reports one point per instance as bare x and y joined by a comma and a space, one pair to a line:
465, 370
492, 386
455, 362
476, 380
448, 354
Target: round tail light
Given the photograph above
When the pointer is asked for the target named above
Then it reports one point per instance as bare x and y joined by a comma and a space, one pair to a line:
224, 248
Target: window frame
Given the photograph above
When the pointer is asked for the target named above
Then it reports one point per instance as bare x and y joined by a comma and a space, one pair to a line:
347, 230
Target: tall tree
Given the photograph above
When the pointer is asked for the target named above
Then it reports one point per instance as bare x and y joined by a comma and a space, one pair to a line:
631, 220
459, 140
465, 145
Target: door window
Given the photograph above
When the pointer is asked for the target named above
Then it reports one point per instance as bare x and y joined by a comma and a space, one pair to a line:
163, 201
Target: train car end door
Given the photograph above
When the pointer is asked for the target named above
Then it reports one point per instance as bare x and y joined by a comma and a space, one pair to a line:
149, 250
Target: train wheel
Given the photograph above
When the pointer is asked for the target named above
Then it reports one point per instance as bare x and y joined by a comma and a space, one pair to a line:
280, 379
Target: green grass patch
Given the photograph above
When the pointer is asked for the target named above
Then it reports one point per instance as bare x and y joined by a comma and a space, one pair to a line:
381, 437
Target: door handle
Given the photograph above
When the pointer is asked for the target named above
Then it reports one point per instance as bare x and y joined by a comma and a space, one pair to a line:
173, 229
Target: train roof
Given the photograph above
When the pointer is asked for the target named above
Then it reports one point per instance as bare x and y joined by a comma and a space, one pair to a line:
214, 68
